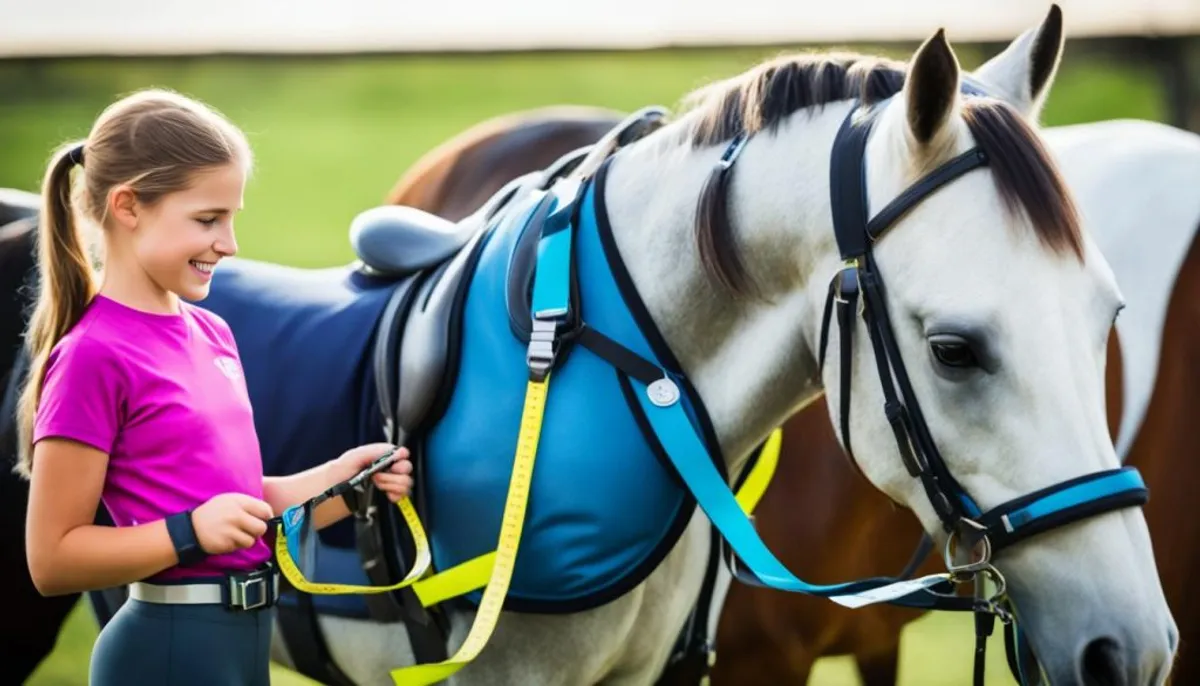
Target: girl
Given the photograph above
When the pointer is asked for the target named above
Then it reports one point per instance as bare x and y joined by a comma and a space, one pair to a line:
135, 399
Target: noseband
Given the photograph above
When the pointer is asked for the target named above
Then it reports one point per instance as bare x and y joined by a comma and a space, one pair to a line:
962, 519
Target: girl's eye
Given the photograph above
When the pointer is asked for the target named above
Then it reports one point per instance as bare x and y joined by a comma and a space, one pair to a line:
208, 221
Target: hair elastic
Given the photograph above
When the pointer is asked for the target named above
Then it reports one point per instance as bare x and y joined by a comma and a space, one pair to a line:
76, 154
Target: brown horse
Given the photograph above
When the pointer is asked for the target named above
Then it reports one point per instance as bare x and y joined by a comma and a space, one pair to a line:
817, 501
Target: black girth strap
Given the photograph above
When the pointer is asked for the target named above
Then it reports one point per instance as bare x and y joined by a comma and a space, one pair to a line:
305, 642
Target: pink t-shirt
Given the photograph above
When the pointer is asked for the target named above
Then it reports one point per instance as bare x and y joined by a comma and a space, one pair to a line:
164, 396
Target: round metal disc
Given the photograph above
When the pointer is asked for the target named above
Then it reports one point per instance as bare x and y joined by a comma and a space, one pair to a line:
663, 392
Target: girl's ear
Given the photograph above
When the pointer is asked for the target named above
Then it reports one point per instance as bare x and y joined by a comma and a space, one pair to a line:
123, 207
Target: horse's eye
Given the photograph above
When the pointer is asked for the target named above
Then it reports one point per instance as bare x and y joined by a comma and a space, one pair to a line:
954, 352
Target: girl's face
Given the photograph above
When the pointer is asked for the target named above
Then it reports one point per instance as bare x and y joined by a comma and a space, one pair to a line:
179, 240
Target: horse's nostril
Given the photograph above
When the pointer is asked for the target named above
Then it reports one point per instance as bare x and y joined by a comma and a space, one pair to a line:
1102, 663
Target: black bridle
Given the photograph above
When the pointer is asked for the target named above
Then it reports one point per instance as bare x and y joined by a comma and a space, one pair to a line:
962, 519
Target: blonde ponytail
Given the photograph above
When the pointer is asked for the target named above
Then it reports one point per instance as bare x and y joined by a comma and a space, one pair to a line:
67, 283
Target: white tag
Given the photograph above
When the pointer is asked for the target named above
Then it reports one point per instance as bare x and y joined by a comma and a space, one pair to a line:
889, 592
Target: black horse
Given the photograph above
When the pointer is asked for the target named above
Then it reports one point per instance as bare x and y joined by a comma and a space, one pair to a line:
27, 641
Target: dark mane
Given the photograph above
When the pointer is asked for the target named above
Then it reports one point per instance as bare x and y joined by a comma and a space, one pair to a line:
763, 97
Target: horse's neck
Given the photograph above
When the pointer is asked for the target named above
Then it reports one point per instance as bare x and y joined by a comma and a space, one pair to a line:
753, 363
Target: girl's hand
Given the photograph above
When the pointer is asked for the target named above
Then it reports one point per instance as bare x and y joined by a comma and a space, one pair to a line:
229, 522
396, 481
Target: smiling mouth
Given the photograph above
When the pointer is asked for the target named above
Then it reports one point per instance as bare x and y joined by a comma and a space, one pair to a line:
205, 267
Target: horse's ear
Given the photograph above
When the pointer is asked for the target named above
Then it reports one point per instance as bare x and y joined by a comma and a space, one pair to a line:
1022, 74
931, 88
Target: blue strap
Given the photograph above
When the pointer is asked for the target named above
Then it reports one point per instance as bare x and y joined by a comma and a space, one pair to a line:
1067, 500
552, 280
690, 458
296, 528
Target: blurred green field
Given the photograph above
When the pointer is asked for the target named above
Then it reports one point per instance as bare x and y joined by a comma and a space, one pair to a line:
331, 136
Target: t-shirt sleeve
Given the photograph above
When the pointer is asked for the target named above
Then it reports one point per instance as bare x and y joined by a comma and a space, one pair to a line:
82, 396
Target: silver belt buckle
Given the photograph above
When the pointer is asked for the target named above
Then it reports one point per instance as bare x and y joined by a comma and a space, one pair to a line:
238, 593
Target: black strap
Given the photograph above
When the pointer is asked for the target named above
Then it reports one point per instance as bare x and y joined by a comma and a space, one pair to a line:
985, 622
939, 177
1015, 651
847, 186
843, 290
306, 644
689, 662
924, 547
375, 518
847, 303
908, 425
826, 316
618, 355
427, 627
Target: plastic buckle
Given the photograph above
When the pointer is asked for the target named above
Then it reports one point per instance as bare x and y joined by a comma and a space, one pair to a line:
732, 152
541, 353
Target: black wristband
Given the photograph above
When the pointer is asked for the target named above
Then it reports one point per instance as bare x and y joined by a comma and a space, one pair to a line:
183, 536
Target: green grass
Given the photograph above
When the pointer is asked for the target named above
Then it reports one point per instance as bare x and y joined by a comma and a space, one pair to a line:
332, 135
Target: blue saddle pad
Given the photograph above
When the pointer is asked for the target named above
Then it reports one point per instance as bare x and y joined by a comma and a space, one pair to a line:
305, 338
604, 507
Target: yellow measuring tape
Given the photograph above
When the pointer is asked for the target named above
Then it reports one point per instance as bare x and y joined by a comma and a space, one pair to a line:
511, 525
760, 476
493, 570
420, 564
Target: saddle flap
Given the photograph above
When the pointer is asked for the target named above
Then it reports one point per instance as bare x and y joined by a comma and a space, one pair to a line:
427, 342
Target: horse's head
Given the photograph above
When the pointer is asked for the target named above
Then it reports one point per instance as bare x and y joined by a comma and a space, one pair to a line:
1000, 307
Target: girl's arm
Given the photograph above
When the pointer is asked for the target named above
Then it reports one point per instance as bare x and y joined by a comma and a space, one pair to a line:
282, 492
67, 553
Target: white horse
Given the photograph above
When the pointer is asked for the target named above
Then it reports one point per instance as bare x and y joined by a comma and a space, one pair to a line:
1000, 309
